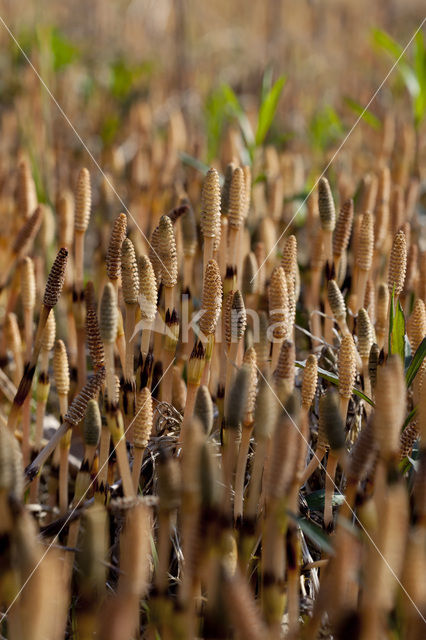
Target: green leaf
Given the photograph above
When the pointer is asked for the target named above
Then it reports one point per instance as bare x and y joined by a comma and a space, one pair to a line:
365, 114
409, 418
315, 500
316, 535
64, 52
416, 363
268, 109
331, 377
325, 128
397, 333
193, 162
385, 42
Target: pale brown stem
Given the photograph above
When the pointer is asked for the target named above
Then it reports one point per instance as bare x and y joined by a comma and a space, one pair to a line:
232, 245
343, 326
145, 341
128, 332
188, 262
313, 464
26, 427
255, 484
327, 239
241, 469
79, 260
81, 358
28, 331
328, 322
207, 251
103, 455
360, 289
120, 341
344, 404
167, 382
168, 298
63, 478
45, 452
161, 576
276, 348
138, 453
230, 369
315, 329
189, 409
329, 488
123, 465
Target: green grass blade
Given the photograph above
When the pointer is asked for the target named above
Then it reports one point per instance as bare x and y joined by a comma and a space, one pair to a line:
331, 377
397, 343
366, 115
416, 363
193, 162
268, 109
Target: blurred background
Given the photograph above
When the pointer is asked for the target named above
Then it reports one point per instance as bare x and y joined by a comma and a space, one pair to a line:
195, 71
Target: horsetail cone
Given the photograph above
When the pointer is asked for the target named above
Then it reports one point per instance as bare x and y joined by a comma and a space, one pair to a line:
26, 191
147, 289
94, 339
77, 409
373, 362
249, 274
113, 255
229, 171
154, 254
49, 333
309, 381
346, 365
65, 211
365, 333
343, 229
92, 424
417, 324
247, 189
236, 199
289, 259
203, 409
55, 279
167, 252
397, 264
11, 471
250, 359
365, 244
390, 405
28, 286
129, 272
212, 298
28, 231
210, 204
142, 425
326, 208
83, 201
109, 314
332, 419
285, 367
13, 335
235, 317
278, 302
61, 368
336, 300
